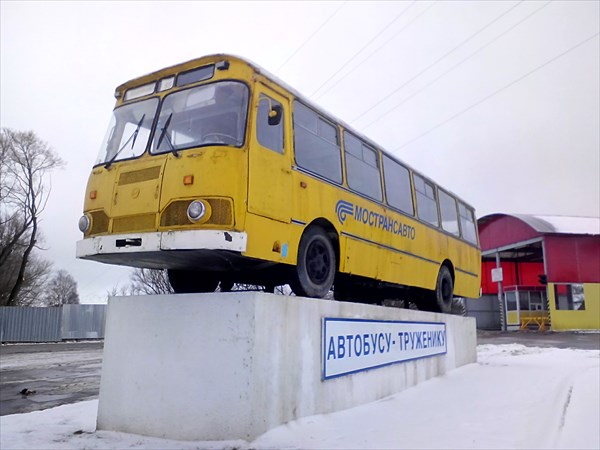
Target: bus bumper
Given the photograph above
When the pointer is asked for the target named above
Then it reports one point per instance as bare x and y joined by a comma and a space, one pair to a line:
158, 249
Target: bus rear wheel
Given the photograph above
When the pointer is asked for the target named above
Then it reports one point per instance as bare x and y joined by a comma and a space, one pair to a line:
444, 292
316, 265
189, 281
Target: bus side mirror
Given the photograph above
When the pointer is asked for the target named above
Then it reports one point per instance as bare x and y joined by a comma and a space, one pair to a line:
275, 115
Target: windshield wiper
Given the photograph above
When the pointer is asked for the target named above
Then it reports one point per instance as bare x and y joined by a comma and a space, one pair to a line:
133, 136
163, 132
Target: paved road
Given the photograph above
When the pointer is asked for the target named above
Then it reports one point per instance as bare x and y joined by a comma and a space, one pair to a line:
58, 373
70, 372
583, 341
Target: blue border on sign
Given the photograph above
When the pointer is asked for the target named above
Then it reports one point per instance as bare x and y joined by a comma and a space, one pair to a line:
346, 319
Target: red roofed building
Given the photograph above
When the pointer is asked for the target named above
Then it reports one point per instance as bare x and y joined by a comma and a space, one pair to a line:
550, 270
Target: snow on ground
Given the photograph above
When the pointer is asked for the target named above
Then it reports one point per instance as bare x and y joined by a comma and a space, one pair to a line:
514, 397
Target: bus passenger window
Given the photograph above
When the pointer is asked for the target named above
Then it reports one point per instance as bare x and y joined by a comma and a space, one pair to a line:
362, 167
316, 144
448, 212
397, 186
269, 136
467, 224
426, 202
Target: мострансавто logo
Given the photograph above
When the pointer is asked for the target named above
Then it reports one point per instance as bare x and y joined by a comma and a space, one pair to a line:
346, 209
343, 209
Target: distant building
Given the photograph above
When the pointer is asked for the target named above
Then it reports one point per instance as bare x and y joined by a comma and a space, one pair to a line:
549, 277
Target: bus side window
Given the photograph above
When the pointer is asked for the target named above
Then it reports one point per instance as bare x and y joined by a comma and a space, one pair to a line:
467, 224
362, 167
426, 201
269, 136
448, 212
316, 144
397, 186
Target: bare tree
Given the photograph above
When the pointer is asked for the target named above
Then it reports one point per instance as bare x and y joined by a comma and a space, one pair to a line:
117, 291
149, 282
24, 190
5, 187
34, 280
36, 272
156, 281
61, 290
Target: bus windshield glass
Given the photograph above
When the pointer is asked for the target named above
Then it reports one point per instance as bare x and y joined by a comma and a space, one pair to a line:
128, 131
212, 114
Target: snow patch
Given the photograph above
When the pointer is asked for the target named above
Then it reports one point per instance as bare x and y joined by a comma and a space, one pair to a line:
514, 397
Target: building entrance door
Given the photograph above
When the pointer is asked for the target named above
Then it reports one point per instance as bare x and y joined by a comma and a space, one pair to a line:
513, 311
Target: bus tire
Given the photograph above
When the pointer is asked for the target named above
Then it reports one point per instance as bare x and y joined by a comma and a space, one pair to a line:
316, 265
189, 282
444, 291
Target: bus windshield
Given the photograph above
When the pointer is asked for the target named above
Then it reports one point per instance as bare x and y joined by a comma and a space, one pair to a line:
212, 114
128, 131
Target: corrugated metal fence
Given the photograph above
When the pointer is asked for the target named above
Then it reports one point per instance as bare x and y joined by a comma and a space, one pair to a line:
83, 321
486, 311
24, 324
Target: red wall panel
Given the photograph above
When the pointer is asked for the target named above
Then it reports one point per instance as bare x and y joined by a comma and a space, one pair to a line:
504, 230
573, 259
515, 274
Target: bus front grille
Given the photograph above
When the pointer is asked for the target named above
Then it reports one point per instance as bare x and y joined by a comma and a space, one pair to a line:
142, 222
222, 211
99, 223
176, 213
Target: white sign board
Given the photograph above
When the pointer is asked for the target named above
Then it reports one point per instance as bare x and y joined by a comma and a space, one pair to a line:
497, 275
354, 345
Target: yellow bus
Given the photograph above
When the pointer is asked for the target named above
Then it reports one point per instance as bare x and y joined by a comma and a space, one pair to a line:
220, 173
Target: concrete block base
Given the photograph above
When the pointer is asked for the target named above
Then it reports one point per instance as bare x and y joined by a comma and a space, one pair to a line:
234, 365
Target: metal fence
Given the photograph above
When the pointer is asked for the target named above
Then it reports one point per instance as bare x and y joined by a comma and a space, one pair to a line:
486, 311
25, 324
83, 321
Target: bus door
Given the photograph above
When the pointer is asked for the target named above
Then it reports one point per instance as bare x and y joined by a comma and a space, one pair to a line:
269, 177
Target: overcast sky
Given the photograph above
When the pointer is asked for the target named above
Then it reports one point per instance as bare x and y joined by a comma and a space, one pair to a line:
497, 101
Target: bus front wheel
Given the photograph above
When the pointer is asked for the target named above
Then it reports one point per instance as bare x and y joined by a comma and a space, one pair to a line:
188, 281
316, 265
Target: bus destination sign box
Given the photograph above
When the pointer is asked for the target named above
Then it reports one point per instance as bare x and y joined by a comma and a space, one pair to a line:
354, 345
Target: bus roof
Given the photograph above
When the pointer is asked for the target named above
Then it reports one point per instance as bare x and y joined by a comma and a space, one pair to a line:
167, 71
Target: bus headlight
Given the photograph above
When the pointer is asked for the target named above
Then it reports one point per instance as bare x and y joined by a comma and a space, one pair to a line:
84, 223
196, 211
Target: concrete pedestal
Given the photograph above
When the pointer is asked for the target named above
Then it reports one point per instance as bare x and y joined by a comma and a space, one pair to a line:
232, 366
